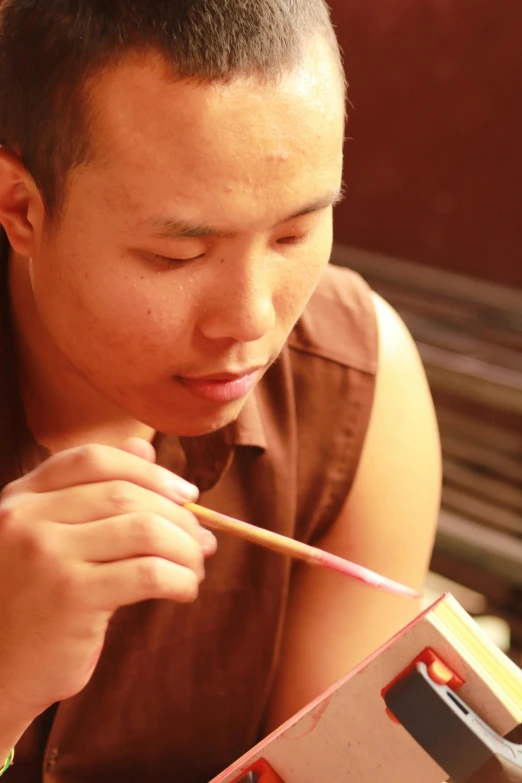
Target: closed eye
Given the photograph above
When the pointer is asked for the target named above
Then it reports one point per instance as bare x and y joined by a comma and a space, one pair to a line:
291, 240
175, 261
294, 240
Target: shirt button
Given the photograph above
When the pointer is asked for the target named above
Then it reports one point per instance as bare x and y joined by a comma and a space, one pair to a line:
52, 760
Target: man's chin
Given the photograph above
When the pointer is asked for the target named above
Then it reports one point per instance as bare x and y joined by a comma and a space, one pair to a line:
198, 424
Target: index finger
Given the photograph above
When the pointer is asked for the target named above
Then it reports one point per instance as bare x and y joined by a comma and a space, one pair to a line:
93, 463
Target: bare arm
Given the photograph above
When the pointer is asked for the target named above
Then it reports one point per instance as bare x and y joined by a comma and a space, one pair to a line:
388, 524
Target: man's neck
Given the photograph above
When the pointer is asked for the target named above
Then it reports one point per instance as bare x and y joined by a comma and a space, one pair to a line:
62, 409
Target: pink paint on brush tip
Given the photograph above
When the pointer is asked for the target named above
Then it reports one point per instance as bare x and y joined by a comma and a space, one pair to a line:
337, 563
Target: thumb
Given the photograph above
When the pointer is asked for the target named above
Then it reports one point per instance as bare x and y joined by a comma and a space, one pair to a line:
140, 448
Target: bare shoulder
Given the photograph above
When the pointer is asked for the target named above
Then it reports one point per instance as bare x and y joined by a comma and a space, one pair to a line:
388, 524
403, 401
401, 459
397, 349
402, 448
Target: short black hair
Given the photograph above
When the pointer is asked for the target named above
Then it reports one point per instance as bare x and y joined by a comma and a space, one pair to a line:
50, 48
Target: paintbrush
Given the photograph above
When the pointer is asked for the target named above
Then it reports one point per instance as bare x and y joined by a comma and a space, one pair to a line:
288, 546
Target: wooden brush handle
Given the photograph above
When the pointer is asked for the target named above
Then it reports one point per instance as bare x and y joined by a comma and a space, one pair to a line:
288, 546
257, 535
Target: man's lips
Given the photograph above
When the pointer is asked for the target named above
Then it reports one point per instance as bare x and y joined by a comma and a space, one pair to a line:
222, 387
223, 377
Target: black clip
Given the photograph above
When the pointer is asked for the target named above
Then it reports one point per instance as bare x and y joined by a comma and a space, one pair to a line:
455, 737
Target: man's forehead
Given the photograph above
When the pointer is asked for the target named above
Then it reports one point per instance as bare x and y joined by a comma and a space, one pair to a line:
148, 80
224, 143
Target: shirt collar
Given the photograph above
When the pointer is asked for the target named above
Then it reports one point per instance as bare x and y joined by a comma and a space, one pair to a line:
248, 428
209, 457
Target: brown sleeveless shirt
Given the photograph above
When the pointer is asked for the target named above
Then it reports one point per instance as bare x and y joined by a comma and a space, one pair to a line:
180, 691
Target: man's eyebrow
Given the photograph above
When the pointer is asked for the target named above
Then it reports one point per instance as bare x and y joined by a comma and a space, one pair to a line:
171, 228
330, 199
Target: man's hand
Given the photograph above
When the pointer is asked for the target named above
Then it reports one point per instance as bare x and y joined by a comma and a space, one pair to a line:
91, 530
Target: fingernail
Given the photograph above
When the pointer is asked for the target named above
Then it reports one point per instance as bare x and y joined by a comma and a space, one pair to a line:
183, 489
208, 542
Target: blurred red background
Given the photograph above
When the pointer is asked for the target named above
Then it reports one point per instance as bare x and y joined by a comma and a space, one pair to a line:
433, 163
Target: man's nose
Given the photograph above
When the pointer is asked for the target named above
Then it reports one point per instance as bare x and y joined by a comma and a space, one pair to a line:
241, 305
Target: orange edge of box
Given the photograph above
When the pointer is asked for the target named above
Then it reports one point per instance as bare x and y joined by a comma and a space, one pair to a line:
438, 670
265, 772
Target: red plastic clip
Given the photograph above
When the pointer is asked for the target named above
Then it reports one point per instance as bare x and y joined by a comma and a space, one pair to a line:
264, 772
439, 672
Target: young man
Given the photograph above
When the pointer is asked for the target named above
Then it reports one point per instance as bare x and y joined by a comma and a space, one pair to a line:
170, 321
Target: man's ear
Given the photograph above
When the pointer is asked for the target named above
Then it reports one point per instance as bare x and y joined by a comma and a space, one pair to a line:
21, 207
